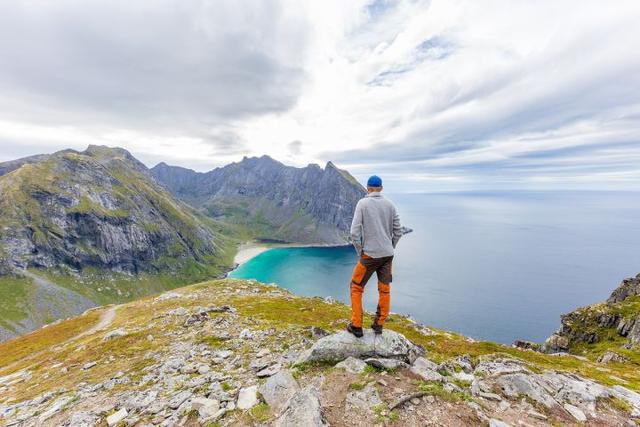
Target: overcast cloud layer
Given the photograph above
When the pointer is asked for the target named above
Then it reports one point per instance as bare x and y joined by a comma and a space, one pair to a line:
432, 95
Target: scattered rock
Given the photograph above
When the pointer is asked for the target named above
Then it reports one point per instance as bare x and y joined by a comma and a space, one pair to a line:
82, 419
56, 407
519, 384
277, 390
247, 397
207, 408
116, 417
556, 344
489, 396
575, 412
167, 296
317, 332
427, 370
388, 364
180, 311
497, 423
117, 333
89, 365
141, 400
352, 365
179, 398
267, 372
364, 399
263, 352
499, 367
303, 409
527, 345
537, 415
611, 356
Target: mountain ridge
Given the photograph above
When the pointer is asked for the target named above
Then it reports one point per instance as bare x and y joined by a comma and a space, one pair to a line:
99, 227
302, 205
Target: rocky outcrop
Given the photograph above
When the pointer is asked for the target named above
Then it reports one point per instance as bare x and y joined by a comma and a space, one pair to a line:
95, 209
304, 205
589, 325
90, 216
157, 368
628, 288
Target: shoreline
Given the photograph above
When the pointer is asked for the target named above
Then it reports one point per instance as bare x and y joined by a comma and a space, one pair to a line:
251, 249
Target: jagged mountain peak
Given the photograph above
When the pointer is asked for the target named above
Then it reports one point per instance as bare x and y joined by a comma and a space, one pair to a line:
304, 205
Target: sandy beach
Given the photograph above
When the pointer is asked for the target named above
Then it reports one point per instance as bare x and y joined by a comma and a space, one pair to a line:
249, 250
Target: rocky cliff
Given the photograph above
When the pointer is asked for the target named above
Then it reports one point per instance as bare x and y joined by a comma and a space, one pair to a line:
239, 353
98, 208
303, 205
610, 330
99, 222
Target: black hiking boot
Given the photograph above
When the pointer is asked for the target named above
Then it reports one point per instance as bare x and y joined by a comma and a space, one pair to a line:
355, 330
376, 328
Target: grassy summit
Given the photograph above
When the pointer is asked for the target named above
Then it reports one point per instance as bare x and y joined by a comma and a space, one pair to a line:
152, 332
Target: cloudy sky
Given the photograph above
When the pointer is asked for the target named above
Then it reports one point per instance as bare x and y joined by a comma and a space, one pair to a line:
432, 95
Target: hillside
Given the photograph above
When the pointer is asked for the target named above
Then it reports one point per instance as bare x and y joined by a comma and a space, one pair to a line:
97, 223
302, 205
609, 331
233, 352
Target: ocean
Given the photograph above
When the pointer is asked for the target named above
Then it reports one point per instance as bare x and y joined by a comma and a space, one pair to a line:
495, 266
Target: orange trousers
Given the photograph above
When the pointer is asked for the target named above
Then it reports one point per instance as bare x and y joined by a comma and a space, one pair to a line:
363, 271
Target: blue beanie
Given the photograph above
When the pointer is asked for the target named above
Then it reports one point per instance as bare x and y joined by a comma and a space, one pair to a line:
374, 181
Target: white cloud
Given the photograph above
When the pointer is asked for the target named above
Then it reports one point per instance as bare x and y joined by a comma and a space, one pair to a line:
469, 94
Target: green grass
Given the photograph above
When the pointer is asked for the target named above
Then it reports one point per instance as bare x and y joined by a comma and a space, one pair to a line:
357, 386
437, 389
261, 413
14, 300
18, 348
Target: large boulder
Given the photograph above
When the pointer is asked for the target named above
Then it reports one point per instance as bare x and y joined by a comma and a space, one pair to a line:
339, 346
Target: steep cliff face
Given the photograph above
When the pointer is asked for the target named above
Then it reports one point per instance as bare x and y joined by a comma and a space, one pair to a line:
306, 205
98, 208
610, 326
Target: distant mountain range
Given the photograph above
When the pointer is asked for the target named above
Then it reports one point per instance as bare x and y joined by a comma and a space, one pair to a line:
304, 205
98, 226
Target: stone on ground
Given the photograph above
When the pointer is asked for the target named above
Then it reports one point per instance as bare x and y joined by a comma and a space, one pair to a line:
247, 397
116, 417
352, 365
497, 423
117, 333
303, 409
382, 363
205, 407
426, 369
363, 400
575, 412
278, 389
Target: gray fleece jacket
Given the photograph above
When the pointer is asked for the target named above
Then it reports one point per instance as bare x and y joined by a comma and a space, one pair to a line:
376, 228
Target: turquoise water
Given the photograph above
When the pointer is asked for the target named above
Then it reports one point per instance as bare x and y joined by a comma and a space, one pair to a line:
496, 266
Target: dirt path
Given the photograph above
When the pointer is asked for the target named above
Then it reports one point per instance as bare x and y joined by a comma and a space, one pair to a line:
106, 319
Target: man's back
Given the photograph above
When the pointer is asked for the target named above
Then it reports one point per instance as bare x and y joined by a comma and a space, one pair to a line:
375, 229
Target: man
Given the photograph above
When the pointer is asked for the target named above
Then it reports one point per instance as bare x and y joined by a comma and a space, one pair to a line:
375, 232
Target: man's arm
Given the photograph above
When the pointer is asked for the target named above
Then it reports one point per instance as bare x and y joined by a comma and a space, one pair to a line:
356, 229
397, 228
